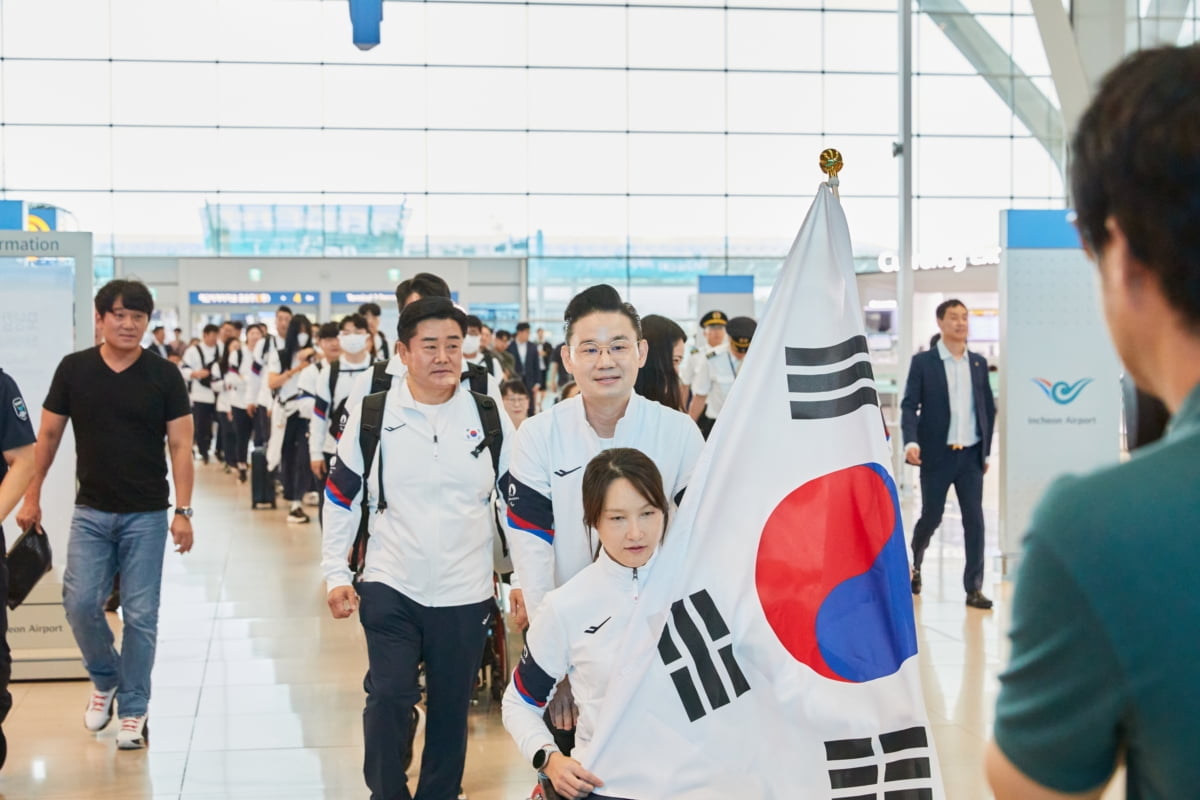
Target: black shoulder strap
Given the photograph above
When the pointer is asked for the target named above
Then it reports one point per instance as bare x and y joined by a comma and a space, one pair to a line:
368, 443
477, 375
493, 439
381, 381
335, 369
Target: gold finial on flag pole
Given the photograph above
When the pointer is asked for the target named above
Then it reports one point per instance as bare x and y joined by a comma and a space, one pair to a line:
831, 165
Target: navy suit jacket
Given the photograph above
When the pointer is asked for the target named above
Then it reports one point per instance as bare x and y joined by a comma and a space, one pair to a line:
925, 409
531, 371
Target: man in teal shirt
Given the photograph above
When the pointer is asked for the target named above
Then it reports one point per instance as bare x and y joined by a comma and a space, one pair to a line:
1106, 615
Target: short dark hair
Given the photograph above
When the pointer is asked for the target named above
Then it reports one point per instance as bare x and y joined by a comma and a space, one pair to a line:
210, 328
424, 284
611, 465
328, 330
599, 298
514, 386
522, 327
418, 311
370, 308
947, 305
501, 334
1136, 158
238, 324
283, 308
134, 296
474, 321
357, 320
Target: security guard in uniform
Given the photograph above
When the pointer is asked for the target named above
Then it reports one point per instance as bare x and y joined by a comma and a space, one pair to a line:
713, 325
715, 375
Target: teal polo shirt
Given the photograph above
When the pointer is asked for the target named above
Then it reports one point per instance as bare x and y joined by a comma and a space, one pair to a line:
1106, 626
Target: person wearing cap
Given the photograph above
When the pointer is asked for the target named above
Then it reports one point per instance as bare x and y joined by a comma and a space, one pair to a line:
713, 326
715, 375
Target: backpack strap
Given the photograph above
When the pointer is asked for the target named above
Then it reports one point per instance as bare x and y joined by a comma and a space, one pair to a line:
381, 381
335, 369
477, 376
493, 440
368, 443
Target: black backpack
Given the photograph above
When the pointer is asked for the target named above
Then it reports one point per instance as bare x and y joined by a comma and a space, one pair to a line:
368, 442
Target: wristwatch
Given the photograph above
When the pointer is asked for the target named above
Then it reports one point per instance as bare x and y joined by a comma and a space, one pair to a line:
542, 756
184, 511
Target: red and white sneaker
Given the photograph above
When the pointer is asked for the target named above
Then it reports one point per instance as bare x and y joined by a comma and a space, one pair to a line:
99, 711
134, 733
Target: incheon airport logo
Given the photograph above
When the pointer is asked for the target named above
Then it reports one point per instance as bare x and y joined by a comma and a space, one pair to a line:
1062, 392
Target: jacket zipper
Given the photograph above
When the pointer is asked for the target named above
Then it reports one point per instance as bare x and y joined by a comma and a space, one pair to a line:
636, 592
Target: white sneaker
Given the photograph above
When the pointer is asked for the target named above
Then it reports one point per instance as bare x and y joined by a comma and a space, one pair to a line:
297, 515
134, 733
99, 711
312, 499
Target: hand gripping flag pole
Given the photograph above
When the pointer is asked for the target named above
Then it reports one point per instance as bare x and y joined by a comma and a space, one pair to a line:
773, 655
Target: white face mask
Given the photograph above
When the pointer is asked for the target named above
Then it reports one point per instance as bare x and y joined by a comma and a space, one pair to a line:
302, 339
471, 344
353, 343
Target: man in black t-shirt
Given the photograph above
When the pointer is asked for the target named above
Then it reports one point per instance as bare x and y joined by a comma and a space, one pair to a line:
16, 471
122, 402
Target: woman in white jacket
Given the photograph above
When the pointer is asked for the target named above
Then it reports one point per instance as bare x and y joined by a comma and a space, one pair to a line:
579, 625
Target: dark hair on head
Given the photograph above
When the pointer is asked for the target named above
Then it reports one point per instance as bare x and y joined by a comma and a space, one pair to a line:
291, 343
601, 297
474, 322
658, 380
501, 334
947, 305
1136, 158
522, 326
418, 311
285, 309
328, 330
424, 284
134, 296
370, 308
611, 465
514, 386
357, 320
210, 328
566, 387
158, 328
237, 324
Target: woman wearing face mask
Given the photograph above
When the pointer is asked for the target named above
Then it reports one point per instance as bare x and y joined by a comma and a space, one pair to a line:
625, 513
331, 391
604, 351
289, 427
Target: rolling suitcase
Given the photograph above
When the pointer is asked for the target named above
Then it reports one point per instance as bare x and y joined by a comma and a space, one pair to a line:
262, 482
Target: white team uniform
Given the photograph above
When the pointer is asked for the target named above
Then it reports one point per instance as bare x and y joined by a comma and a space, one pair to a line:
197, 357
433, 543
543, 486
397, 369
322, 440
577, 634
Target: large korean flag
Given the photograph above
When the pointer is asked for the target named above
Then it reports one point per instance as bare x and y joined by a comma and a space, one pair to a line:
775, 654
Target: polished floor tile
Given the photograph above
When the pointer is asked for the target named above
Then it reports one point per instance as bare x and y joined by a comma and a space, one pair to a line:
258, 692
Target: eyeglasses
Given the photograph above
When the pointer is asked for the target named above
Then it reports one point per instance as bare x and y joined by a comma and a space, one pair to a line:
590, 351
516, 400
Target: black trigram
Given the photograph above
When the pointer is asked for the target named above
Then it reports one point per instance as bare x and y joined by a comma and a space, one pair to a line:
701, 650
853, 766
827, 372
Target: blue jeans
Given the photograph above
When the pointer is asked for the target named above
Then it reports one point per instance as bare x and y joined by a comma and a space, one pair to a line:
103, 544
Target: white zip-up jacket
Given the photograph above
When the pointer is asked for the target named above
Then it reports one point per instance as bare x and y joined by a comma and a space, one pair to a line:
433, 543
577, 634
544, 484
195, 358
322, 439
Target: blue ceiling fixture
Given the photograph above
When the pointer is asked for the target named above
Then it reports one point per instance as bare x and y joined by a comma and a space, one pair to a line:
365, 17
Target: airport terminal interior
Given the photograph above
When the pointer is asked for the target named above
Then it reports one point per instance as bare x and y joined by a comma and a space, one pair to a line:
240, 155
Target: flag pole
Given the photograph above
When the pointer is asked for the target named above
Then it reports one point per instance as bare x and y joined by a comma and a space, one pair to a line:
831, 165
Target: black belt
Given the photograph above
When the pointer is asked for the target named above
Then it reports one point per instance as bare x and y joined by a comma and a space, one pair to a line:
962, 447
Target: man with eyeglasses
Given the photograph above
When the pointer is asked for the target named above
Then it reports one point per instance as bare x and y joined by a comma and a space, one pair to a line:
547, 537
716, 373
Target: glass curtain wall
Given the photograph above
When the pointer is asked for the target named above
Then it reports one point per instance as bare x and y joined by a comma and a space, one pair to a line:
642, 143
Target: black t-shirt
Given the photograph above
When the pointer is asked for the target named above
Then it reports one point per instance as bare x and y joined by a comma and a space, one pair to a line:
120, 421
15, 428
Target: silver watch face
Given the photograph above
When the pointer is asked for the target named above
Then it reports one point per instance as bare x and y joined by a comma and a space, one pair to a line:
184, 512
